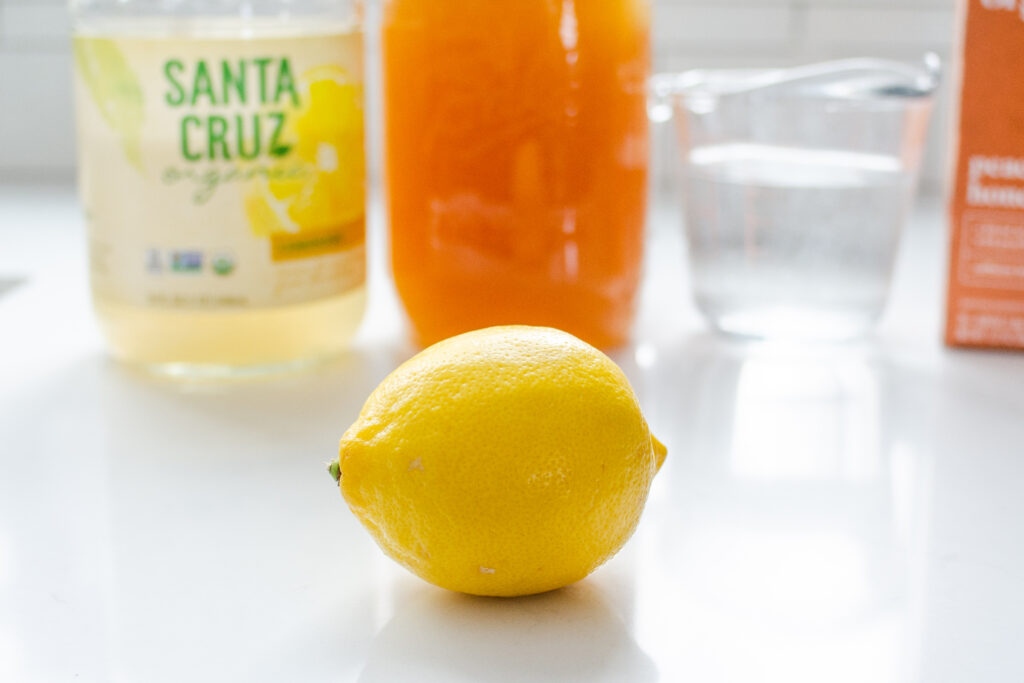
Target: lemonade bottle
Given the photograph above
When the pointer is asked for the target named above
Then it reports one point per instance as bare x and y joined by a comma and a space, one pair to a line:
222, 173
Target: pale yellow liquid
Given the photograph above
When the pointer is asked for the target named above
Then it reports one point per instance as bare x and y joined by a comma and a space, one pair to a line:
191, 342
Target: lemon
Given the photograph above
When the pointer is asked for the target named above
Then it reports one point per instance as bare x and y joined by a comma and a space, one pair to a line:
328, 133
505, 461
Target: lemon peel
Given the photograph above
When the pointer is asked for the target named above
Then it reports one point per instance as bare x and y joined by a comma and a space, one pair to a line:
505, 461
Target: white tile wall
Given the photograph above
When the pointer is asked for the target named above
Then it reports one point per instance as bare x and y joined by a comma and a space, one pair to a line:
35, 115
860, 28
35, 103
722, 28
36, 135
34, 24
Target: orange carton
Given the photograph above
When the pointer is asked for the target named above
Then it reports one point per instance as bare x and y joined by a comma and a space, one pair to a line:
986, 276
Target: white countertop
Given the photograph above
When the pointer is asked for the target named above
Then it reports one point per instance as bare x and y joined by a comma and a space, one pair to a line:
846, 515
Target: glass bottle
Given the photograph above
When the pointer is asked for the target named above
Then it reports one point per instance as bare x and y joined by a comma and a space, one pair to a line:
516, 153
222, 173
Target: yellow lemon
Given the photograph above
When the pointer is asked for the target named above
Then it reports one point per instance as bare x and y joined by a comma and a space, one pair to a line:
321, 185
505, 461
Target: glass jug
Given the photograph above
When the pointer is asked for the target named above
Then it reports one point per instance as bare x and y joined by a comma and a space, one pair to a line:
516, 145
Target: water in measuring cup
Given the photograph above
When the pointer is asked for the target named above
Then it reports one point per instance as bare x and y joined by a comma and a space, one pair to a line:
793, 243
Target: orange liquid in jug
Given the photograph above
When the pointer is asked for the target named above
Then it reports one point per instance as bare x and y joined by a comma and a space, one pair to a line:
516, 162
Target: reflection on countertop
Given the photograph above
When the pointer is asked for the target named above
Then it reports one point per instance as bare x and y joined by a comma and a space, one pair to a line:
792, 513
826, 513
567, 635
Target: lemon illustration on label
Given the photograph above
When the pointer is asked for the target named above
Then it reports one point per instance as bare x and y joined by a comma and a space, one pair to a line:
320, 209
115, 90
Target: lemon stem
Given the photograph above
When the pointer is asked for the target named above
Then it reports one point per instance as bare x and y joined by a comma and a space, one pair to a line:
335, 469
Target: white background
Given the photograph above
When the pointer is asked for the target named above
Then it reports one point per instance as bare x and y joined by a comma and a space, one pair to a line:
37, 140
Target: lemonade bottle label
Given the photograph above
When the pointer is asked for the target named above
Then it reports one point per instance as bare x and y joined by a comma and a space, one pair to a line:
222, 173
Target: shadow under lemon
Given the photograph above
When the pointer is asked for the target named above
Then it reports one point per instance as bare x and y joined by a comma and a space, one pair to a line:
567, 635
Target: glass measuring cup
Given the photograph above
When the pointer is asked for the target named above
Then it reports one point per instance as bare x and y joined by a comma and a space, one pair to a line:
796, 184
